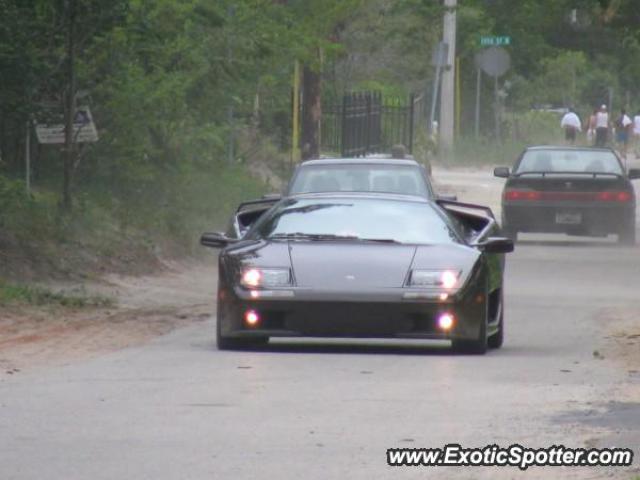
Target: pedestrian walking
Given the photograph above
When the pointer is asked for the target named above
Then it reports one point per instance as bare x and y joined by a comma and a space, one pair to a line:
636, 134
623, 126
602, 126
590, 127
571, 124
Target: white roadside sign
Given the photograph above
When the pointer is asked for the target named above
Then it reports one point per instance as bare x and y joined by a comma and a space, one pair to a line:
84, 130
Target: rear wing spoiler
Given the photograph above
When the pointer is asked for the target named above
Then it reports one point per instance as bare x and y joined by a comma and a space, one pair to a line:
485, 211
478, 218
248, 213
263, 202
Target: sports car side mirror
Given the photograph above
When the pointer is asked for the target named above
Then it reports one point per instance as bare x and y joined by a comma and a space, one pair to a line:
634, 173
495, 245
216, 240
502, 172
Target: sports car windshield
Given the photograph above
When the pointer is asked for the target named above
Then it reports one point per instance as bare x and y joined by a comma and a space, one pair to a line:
569, 161
355, 219
403, 179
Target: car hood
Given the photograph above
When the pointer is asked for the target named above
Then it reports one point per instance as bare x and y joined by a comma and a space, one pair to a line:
354, 266
350, 266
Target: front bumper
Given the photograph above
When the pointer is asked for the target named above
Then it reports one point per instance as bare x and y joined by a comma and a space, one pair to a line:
383, 313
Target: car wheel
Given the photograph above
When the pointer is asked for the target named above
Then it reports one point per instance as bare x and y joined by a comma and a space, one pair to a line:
627, 235
229, 343
496, 340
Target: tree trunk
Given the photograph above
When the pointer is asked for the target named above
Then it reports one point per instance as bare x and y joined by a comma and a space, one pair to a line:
311, 113
70, 113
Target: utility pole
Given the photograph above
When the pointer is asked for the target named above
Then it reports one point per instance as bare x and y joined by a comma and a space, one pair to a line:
295, 134
69, 149
230, 110
478, 85
27, 158
447, 100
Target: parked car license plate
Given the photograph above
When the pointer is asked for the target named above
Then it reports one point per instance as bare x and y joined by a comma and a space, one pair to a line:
568, 218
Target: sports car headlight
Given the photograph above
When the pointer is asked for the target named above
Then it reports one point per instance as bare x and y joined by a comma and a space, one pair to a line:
265, 277
446, 279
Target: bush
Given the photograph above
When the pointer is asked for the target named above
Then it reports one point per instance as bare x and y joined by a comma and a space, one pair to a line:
12, 198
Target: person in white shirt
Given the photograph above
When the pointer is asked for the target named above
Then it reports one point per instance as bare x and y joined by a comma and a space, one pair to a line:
572, 125
590, 127
602, 126
623, 125
636, 134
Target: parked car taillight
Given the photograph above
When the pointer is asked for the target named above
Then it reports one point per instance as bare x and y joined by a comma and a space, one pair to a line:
613, 196
521, 195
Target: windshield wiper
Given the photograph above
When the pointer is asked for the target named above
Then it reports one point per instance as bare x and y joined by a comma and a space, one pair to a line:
379, 240
310, 236
328, 236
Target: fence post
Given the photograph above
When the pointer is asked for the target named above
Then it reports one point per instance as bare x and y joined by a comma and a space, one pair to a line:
367, 133
343, 140
411, 100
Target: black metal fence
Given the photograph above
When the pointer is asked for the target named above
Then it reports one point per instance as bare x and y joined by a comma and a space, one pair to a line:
367, 122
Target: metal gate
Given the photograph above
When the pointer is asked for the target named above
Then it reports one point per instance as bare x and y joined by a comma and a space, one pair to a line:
367, 122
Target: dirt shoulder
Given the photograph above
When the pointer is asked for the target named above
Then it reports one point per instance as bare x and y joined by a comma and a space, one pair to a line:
622, 339
144, 307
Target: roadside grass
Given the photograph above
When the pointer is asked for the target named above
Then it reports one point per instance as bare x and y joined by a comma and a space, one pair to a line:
518, 130
17, 294
127, 232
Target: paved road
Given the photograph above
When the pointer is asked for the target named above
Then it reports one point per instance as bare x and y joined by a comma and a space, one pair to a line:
177, 408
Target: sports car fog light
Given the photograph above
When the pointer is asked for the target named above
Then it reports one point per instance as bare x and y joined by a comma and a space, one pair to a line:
445, 321
251, 318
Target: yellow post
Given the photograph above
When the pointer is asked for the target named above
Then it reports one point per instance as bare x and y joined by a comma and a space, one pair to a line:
295, 137
458, 96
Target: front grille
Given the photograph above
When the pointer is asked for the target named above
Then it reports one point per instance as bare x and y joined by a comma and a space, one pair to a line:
357, 319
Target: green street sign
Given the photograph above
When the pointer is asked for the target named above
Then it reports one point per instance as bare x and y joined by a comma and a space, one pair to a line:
494, 41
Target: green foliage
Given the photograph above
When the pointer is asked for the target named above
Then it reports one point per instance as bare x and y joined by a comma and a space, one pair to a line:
471, 152
532, 127
12, 198
163, 76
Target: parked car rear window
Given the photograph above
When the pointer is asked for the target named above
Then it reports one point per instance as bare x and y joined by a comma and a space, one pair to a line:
402, 179
569, 161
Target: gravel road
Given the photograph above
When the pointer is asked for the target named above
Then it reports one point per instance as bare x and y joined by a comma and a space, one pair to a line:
176, 407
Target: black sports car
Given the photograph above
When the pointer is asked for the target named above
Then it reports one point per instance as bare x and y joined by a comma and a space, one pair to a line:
363, 265
572, 190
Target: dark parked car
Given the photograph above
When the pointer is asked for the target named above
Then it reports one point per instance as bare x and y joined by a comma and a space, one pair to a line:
375, 173
363, 265
572, 190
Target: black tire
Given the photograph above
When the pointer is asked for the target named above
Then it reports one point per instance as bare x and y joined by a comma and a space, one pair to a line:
229, 343
627, 235
497, 339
